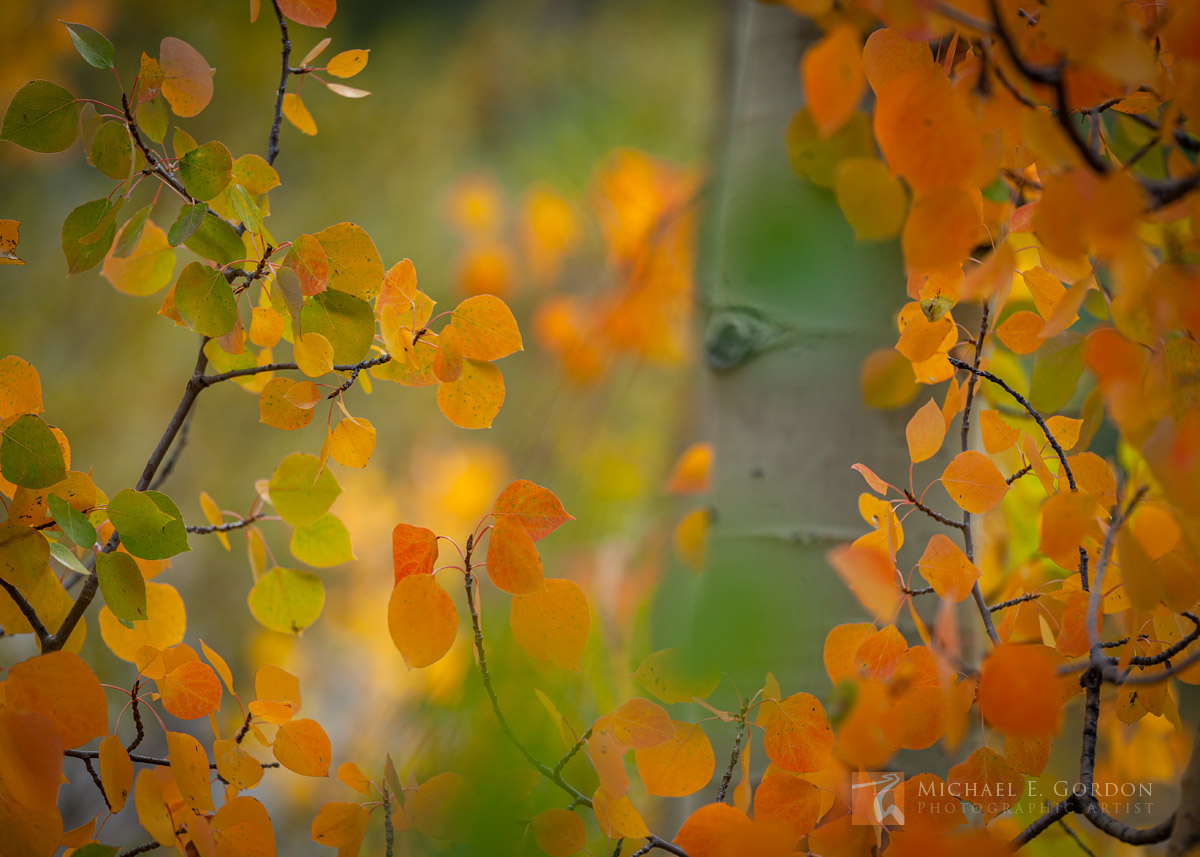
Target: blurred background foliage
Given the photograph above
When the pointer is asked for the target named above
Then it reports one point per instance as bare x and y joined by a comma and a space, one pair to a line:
548, 151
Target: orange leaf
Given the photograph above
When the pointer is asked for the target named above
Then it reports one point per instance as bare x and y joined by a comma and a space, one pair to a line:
947, 569
925, 432
606, 753
189, 764
302, 746
310, 13
974, 482
887, 55
788, 801
692, 473
310, 263
616, 816
937, 811
61, 686
834, 80
1027, 755
679, 767
552, 623
1020, 692
877, 484
422, 620
559, 832
841, 646
20, 388
31, 755
485, 328
986, 780
918, 717
997, 434
871, 576
920, 338
414, 550
942, 226
350, 774
187, 78
190, 690
711, 830
886, 380
513, 563
535, 507
797, 736
927, 131
237, 766
1021, 332
880, 652
339, 824
296, 113
640, 723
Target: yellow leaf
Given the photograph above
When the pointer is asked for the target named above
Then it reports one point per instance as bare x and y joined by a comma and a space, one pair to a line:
116, 772
422, 620
352, 442
189, 764
681, 766
313, 354
925, 432
974, 482
298, 115
348, 63
552, 624
302, 746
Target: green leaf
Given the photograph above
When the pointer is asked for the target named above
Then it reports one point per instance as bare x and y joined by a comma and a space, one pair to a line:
216, 240
122, 585
149, 524
346, 321
222, 361
95, 849
92, 46
152, 118
287, 600
1057, 366
206, 170
245, 209
67, 557
81, 222
71, 521
30, 455
131, 232
323, 543
112, 151
299, 495
292, 293
204, 300
23, 555
42, 117
189, 220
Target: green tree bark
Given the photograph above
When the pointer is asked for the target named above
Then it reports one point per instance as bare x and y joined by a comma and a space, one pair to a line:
795, 304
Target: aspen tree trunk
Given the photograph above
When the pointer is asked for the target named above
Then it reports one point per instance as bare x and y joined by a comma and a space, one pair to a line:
795, 304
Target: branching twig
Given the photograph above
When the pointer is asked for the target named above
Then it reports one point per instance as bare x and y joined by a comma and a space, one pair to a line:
31, 616
286, 53
1013, 602
209, 380
389, 835
137, 716
937, 516
575, 748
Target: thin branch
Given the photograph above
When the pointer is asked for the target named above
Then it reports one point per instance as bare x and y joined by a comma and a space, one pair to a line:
1013, 602
1060, 809
937, 516
170, 463
1097, 594
137, 716
87, 763
575, 748
389, 834
91, 584
31, 616
1111, 675
1102, 821
209, 380
1185, 833
1062, 822
1029, 409
965, 433
224, 528
286, 54
141, 849
1026, 469
733, 757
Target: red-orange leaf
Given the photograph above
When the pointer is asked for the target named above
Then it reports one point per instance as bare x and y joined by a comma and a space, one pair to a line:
414, 550
61, 686
422, 620
871, 577
986, 780
789, 801
513, 563
797, 736
617, 817
538, 510
1020, 692
974, 482
552, 623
